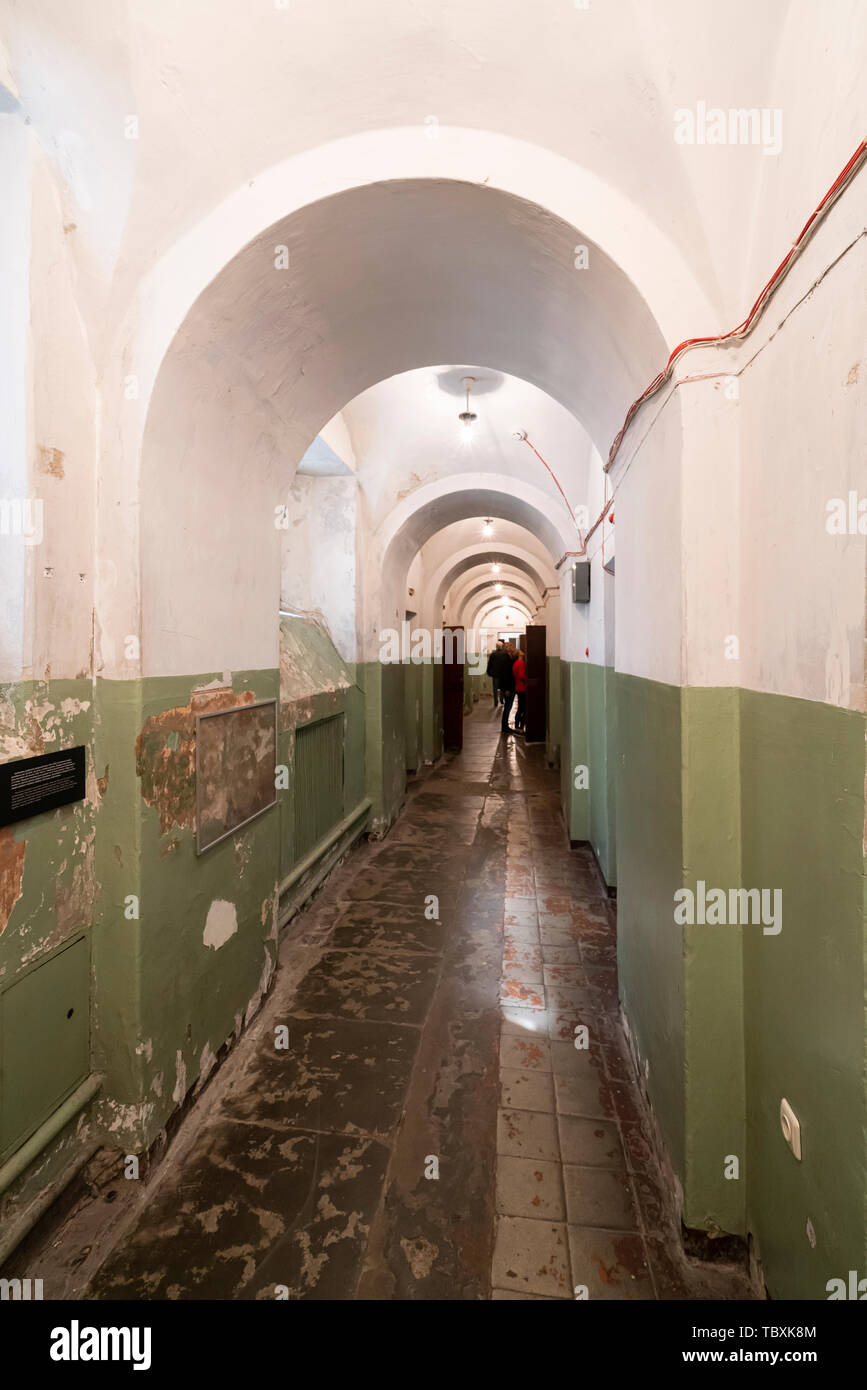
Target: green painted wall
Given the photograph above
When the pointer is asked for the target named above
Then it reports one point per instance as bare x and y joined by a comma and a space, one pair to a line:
167, 1001
432, 711
601, 742
553, 712
588, 736
412, 722
349, 703
479, 687
741, 789
574, 747
714, 1095
385, 755
803, 818
650, 859
46, 860
46, 897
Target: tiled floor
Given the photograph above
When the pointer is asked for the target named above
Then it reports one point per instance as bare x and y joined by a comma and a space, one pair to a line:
431, 1131
571, 1155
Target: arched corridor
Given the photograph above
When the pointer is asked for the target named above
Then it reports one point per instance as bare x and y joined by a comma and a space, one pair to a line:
322, 974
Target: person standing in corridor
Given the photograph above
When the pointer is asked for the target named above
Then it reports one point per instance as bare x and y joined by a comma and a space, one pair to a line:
519, 672
507, 682
495, 669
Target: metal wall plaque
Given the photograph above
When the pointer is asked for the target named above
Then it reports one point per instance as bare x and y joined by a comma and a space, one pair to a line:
31, 785
236, 761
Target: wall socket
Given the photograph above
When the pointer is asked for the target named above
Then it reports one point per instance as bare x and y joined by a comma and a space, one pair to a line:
791, 1127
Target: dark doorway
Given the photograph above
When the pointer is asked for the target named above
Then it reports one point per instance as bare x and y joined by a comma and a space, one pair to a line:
537, 684
453, 687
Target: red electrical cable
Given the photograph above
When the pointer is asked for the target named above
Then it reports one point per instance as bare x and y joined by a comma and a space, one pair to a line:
846, 173
758, 307
554, 476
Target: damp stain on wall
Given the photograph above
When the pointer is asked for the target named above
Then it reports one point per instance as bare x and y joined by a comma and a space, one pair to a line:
166, 754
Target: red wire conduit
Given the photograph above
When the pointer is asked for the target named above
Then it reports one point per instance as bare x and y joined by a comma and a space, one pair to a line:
845, 176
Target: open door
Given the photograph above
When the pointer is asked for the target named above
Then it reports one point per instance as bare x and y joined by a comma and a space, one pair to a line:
453, 688
537, 684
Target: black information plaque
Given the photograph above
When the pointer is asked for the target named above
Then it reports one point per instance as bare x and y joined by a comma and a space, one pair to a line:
31, 785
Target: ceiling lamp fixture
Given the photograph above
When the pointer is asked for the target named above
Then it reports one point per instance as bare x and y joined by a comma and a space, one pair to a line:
488, 529
496, 568
468, 417
498, 588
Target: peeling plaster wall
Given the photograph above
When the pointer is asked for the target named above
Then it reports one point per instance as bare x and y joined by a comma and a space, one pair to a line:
173, 990
46, 862
48, 412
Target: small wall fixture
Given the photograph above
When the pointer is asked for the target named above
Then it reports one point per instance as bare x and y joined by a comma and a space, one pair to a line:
581, 581
791, 1127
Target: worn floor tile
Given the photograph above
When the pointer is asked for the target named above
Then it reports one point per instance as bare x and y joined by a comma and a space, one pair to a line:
359, 984
335, 1074
386, 927
242, 1221
531, 1052
595, 1143
519, 1022
526, 1090
527, 1134
532, 1257
610, 1264
599, 1197
569, 1060
530, 1187
584, 1095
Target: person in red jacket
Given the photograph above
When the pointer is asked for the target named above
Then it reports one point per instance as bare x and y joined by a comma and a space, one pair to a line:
519, 671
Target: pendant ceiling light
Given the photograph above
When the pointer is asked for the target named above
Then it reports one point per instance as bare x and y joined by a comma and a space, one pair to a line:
468, 417
488, 528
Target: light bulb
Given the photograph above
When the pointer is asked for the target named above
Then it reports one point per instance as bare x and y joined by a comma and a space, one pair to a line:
467, 416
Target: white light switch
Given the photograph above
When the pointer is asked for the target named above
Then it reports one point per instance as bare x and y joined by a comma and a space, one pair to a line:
791, 1128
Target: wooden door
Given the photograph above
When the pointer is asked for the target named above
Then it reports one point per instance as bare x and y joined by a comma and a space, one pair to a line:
537, 684
453, 687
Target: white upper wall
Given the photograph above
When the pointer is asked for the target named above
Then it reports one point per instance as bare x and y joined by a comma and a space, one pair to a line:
222, 92
167, 138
